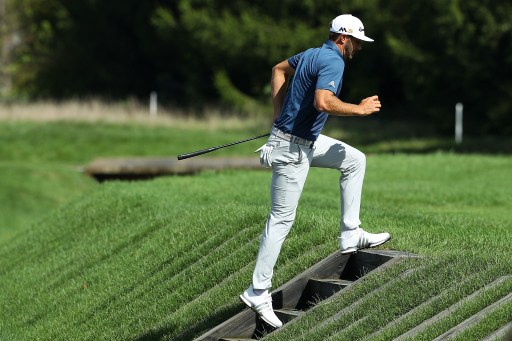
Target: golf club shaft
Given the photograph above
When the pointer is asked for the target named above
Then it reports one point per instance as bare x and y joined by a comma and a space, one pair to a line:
211, 149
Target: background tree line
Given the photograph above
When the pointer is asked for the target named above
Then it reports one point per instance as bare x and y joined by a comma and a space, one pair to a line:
427, 55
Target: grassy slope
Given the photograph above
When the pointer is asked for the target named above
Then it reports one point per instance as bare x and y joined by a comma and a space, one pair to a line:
40, 162
167, 258
31, 191
150, 259
443, 206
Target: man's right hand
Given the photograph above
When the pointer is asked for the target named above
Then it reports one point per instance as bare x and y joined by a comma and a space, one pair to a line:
369, 105
326, 101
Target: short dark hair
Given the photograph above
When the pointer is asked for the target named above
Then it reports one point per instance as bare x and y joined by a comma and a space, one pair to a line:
333, 36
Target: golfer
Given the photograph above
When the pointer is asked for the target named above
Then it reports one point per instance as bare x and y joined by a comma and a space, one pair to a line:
295, 144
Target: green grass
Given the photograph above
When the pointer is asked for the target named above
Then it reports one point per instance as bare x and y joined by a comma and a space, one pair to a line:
493, 321
80, 142
40, 163
167, 258
30, 191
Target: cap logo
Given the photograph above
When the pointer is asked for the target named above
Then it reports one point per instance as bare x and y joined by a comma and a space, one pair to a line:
350, 30
342, 29
361, 29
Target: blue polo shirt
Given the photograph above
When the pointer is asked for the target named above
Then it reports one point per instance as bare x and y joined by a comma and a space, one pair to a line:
316, 68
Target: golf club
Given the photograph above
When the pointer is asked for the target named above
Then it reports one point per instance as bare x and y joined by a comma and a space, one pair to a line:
211, 149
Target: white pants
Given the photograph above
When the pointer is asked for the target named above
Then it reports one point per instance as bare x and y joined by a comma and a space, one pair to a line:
290, 166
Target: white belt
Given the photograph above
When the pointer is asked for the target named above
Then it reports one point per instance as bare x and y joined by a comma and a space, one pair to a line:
291, 138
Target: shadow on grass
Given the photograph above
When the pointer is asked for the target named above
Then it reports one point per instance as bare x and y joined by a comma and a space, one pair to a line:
193, 330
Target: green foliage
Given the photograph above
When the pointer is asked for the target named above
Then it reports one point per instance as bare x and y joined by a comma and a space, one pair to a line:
427, 55
233, 98
450, 51
79, 48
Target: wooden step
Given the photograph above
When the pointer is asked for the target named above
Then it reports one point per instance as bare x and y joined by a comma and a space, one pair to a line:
318, 283
286, 315
318, 289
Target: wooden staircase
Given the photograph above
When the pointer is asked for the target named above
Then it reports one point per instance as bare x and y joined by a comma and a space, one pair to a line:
296, 297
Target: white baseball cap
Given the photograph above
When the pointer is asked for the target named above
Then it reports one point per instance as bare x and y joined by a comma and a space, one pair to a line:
350, 25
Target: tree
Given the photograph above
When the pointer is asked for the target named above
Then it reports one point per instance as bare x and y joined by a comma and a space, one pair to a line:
446, 52
79, 48
427, 55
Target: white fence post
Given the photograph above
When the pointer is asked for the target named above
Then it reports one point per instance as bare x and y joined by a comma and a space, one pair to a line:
153, 104
458, 123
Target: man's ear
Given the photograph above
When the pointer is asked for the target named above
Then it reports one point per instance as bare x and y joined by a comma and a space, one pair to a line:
342, 38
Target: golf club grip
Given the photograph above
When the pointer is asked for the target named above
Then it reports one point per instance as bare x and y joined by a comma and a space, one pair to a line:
196, 153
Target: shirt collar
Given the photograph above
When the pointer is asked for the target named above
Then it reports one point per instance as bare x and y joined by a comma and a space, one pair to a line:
330, 44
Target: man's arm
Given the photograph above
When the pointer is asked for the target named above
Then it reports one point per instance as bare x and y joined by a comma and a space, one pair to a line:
326, 101
280, 76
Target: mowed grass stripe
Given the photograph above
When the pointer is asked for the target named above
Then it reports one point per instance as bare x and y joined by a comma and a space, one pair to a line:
202, 305
387, 308
394, 298
317, 316
347, 316
466, 310
185, 207
351, 328
179, 287
150, 316
170, 269
215, 309
475, 319
469, 305
62, 234
291, 266
454, 291
175, 289
118, 250
111, 259
111, 308
387, 295
207, 272
72, 288
394, 303
37, 316
240, 279
502, 332
94, 266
